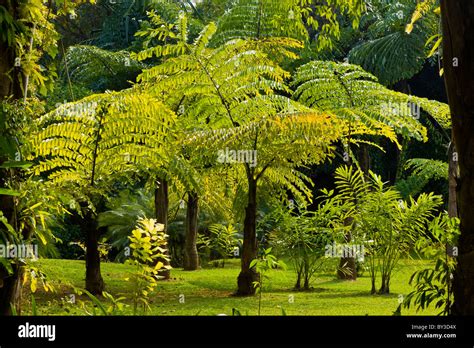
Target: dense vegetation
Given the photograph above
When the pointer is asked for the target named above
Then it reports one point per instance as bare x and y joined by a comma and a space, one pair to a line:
171, 139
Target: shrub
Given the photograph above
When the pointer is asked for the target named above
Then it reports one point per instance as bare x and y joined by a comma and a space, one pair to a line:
148, 248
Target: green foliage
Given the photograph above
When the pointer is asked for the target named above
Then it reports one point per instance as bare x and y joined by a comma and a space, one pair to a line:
365, 105
422, 170
15, 125
433, 285
262, 265
98, 69
121, 217
222, 240
388, 51
283, 142
148, 251
262, 19
303, 235
267, 20
33, 38
97, 307
387, 225
422, 8
210, 86
83, 144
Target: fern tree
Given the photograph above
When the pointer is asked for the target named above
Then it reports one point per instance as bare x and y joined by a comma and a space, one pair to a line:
27, 36
208, 87
367, 107
355, 96
81, 146
281, 141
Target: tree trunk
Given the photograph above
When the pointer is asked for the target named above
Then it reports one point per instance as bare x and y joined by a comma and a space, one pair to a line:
10, 290
364, 159
161, 211
458, 49
94, 282
191, 256
10, 285
452, 177
298, 280
385, 287
249, 249
373, 289
10, 86
347, 266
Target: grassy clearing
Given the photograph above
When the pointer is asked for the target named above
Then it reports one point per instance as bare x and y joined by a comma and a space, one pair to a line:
209, 291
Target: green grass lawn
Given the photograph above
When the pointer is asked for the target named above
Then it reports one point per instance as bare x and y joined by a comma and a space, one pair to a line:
209, 291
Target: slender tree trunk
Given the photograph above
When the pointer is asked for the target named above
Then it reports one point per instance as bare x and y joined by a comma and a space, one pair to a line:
191, 256
364, 159
161, 211
347, 266
385, 287
249, 249
306, 276
452, 177
298, 280
10, 285
10, 86
373, 289
458, 50
94, 282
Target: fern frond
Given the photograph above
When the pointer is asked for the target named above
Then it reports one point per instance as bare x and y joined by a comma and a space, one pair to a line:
355, 96
116, 132
100, 69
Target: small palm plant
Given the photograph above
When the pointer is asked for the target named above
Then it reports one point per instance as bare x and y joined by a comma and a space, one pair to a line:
386, 225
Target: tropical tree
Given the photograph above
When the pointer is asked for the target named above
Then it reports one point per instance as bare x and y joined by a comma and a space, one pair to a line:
282, 140
369, 108
208, 87
82, 145
25, 207
27, 36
